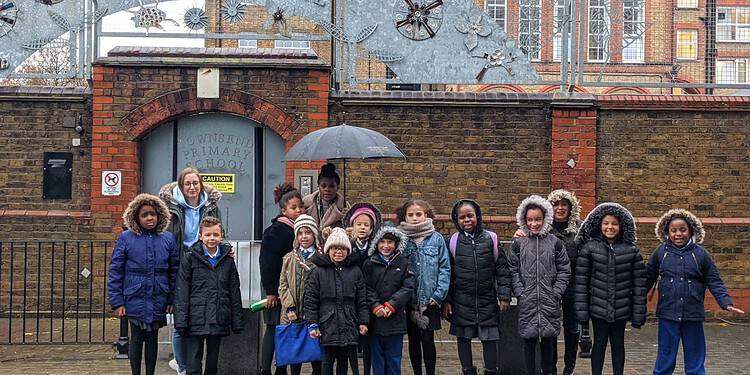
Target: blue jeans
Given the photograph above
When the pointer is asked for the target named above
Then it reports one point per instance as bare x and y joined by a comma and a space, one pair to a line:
178, 348
385, 353
693, 347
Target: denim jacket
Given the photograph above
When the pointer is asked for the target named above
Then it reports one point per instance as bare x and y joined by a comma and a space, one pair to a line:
432, 266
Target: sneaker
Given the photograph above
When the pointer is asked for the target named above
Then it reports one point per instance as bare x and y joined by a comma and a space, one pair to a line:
173, 365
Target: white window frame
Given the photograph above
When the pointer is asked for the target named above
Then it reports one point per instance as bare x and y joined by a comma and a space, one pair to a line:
248, 43
726, 23
497, 4
694, 44
687, 4
557, 32
633, 42
601, 36
737, 66
532, 34
292, 44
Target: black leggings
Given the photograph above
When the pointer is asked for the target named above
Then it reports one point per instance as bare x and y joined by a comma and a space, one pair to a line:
138, 339
340, 356
421, 343
297, 369
614, 333
364, 345
489, 352
546, 346
267, 352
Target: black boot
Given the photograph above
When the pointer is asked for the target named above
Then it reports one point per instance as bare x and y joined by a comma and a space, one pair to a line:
568, 371
470, 371
491, 372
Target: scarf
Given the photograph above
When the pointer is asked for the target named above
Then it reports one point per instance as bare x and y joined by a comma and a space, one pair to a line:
417, 232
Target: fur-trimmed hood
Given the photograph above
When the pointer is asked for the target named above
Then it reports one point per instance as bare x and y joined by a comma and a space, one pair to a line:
402, 239
541, 202
591, 227
477, 209
355, 207
165, 193
695, 224
130, 216
574, 220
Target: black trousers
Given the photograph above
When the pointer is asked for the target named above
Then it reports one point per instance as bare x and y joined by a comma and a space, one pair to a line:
615, 334
489, 353
570, 334
297, 369
194, 354
546, 346
138, 339
421, 345
340, 356
364, 346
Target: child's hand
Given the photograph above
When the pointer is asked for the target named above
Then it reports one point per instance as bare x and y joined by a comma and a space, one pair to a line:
432, 302
504, 305
650, 294
519, 233
170, 309
447, 310
315, 333
291, 315
734, 309
231, 252
271, 302
362, 329
120, 312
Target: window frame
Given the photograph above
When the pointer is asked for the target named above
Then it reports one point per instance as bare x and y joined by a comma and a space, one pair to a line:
503, 6
607, 22
694, 44
530, 33
639, 38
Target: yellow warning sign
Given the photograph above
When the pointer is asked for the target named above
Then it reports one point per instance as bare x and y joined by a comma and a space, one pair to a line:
222, 182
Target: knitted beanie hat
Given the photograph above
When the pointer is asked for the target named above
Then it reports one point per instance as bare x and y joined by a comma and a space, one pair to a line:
308, 222
363, 211
339, 238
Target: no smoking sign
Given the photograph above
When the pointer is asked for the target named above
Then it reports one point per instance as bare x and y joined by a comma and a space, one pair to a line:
111, 183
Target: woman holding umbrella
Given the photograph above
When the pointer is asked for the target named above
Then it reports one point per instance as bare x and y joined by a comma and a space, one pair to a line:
326, 205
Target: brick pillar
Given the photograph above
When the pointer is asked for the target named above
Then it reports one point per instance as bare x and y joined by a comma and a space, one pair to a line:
574, 137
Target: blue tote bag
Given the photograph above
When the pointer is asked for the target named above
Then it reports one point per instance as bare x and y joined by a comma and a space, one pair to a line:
294, 345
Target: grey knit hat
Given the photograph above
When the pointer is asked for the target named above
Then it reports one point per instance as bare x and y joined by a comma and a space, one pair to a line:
339, 238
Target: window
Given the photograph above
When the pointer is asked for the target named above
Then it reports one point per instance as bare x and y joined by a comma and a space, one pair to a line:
733, 24
731, 71
598, 30
496, 10
530, 28
558, 30
687, 4
291, 44
633, 29
247, 43
687, 44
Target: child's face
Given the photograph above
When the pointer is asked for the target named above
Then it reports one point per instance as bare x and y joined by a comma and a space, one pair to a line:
305, 237
562, 210
328, 189
386, 247
191, 186
467, 217
211, 236
679, 232
293, 209
415, 214
362, 226
535, 220
337, 253
147, 217
610, 227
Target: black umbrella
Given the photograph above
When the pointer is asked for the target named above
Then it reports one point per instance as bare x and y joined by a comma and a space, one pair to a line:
343, 142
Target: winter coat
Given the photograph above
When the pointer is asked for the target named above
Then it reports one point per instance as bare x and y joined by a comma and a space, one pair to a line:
336, 300
568, 234
540, 272
478, 280
292, 284
177, 218
391, 283
332, 217
360, 254
208, 300
276, 242
683, 274
610, 279
431, 264
144, 264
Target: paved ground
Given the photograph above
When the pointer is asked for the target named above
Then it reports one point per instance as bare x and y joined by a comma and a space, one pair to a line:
728, 346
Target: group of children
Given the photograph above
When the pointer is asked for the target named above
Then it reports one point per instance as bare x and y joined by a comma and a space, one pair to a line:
362, 283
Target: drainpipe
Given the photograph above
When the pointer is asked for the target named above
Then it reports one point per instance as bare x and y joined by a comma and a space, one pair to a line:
710, 58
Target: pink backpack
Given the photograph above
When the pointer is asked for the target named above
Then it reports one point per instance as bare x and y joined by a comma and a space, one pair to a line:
453, 243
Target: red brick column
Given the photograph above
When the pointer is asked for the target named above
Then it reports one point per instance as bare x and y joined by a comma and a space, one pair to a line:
574, 138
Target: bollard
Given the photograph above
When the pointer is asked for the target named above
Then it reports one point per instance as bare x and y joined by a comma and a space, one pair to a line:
122, 342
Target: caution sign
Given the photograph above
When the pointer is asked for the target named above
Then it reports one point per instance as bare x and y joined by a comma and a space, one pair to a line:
222, 182
111, 183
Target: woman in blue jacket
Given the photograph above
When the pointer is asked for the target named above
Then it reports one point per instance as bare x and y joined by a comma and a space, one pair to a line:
682, 270
142, 276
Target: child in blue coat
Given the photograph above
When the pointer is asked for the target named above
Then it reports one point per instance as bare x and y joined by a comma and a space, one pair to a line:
682, 270
142, 276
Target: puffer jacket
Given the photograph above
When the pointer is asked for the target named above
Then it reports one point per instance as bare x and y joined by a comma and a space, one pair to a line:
478, 280
610, 279
177, 218
540, 272
683, 274
431, 264
277, 241
208, 300
292, 283
336, 300
568, 234
144, 264
391, 283
361, 253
